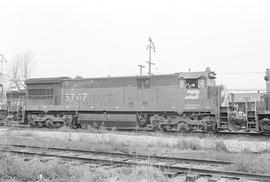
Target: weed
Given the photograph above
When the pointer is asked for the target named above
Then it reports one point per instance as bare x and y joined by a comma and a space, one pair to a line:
220, 146
251, 165
33, 170
144, 173
27, 134
189, 144
135, 174
65, 128
96, 129
15, 169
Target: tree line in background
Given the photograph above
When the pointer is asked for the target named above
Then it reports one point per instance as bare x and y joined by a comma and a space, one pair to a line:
20, 69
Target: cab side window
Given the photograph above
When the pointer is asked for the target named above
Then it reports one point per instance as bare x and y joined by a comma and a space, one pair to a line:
191, 83
182, 83
201, 83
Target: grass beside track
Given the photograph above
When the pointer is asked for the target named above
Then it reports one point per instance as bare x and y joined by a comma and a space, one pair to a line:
15, 169
114, 142
156, 144
211, 147
200, 170
255, 165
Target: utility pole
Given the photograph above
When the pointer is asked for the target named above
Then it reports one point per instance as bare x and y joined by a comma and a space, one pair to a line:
141, 67
2, 60
150, 47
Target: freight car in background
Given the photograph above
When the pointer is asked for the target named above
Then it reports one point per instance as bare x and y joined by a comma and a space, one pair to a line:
185, 101
11, 105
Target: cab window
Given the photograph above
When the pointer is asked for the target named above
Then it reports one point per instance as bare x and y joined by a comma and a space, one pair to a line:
191, 83
201, 83
182, 83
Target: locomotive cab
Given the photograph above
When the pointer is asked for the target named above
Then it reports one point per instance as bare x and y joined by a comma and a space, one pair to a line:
199, 91
198, 104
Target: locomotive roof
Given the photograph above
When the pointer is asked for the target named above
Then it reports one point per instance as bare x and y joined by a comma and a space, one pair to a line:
50, 80
195, 75
184, 75
123, 77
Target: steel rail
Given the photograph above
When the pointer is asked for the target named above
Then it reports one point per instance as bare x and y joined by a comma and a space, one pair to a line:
142, 156
124, 162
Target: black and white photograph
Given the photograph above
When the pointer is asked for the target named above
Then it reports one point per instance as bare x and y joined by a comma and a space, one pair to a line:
134, 91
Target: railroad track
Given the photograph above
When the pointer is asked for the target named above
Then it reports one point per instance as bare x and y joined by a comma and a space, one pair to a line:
200, 167
143, 130
127, 129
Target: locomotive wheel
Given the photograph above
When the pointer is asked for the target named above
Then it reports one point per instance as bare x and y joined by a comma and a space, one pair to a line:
32, 123
49, 123
208, 124
261, 129
162, 128
183, 127
155, 127
39, 124
67, 122
214, 127
95, 125
143, 121
57, 124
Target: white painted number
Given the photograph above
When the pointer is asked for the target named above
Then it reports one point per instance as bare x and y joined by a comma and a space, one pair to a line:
71, 97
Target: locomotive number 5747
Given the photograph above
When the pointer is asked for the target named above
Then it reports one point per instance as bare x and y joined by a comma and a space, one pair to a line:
71, 97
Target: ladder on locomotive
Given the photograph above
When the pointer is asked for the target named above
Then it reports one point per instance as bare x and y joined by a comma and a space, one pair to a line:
20, 110
251, 111
251, 117
223, 118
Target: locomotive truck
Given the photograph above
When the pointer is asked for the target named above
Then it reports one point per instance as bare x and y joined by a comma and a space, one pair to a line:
184, 101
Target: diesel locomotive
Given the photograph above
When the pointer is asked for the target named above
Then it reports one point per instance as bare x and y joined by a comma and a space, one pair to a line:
184, 101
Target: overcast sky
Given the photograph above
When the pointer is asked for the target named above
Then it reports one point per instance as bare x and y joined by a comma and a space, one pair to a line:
105, 37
